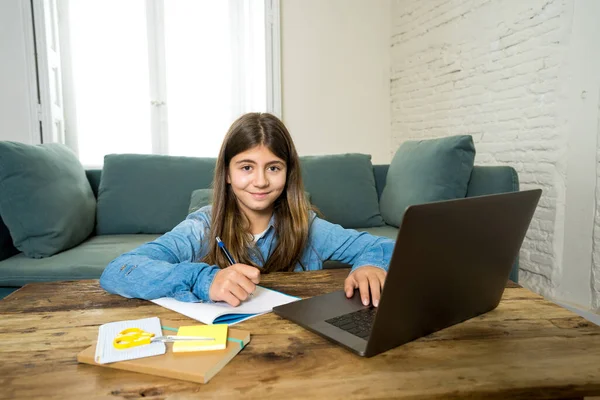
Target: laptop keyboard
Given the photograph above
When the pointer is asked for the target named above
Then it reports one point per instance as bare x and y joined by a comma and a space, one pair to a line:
358, 323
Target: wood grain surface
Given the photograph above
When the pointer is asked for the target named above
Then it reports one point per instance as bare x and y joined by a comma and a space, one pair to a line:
527, 348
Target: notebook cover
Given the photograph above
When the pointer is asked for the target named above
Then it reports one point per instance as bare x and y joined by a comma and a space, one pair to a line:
219, 332
197, 367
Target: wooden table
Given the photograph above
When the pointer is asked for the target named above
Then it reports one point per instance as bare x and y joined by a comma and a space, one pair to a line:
526, 348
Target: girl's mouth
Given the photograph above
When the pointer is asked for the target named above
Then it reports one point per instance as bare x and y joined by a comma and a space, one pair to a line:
259, 196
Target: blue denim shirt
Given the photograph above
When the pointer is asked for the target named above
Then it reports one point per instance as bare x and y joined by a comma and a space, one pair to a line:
170, 265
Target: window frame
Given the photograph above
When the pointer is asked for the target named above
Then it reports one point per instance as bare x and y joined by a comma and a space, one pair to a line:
43, 114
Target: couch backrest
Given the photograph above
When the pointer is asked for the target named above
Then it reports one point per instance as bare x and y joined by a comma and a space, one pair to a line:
484, 180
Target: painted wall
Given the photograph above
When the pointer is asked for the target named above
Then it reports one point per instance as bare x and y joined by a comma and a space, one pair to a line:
335, 76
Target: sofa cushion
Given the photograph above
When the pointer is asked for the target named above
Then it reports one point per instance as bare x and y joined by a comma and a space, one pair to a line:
424, 171
200, 198
342, 187
203, 197
86, 261
148, 193
46, 200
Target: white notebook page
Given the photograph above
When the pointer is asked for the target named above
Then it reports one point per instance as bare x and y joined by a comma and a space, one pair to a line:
107, 353
262, 301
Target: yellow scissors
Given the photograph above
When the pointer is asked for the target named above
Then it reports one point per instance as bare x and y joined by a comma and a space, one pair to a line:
132, 337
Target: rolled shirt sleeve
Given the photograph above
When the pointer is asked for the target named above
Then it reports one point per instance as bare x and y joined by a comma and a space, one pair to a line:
167, 266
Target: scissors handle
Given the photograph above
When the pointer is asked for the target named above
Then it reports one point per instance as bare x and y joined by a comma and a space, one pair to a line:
132, 337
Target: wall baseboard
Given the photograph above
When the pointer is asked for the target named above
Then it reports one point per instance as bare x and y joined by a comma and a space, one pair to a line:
587, 314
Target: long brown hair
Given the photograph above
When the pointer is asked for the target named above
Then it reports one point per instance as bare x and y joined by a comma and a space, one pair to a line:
291, 209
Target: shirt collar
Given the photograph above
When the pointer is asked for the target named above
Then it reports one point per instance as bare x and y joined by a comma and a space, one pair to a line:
272, 221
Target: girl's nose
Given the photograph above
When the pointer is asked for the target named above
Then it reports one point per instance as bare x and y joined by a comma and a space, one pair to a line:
261, 179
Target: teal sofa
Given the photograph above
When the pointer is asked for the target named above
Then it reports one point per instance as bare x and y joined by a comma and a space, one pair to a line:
140, 197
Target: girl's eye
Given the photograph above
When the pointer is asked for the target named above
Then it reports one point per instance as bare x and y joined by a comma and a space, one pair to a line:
274, 168
246, 168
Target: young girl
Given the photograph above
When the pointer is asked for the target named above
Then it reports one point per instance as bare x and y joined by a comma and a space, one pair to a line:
260, 213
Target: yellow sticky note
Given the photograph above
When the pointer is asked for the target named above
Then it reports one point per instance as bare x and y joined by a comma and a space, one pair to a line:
218, 332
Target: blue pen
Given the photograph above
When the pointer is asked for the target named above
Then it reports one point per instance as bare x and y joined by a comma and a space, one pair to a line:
227, 255
222, 246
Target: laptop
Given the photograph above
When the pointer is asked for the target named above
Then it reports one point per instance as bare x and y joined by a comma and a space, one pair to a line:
451, 262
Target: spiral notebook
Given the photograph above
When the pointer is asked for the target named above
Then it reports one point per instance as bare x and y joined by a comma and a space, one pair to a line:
262, 301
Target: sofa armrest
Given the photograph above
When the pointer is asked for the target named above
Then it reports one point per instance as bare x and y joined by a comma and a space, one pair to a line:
491, 180
484, 180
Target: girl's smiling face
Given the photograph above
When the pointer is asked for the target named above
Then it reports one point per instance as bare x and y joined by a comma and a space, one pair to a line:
257, 178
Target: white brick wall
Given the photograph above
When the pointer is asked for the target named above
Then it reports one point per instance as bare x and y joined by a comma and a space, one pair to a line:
492, 69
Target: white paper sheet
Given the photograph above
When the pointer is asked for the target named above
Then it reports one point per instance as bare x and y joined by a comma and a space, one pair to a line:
262, 301
107, 353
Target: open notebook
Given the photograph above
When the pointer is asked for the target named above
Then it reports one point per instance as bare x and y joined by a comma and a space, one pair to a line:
262, 301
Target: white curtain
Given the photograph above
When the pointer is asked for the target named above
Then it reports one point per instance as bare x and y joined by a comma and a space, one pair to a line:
160, 76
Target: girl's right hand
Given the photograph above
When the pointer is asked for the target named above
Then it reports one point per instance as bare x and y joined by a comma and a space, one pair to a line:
234, 284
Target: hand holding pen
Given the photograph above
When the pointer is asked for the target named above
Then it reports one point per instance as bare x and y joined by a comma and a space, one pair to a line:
234, 284
227, 254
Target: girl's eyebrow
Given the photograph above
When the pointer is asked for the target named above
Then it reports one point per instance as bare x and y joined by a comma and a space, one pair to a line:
245, 161
275, 162
248, 161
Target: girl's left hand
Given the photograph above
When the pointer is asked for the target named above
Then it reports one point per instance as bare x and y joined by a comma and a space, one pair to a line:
365, 278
